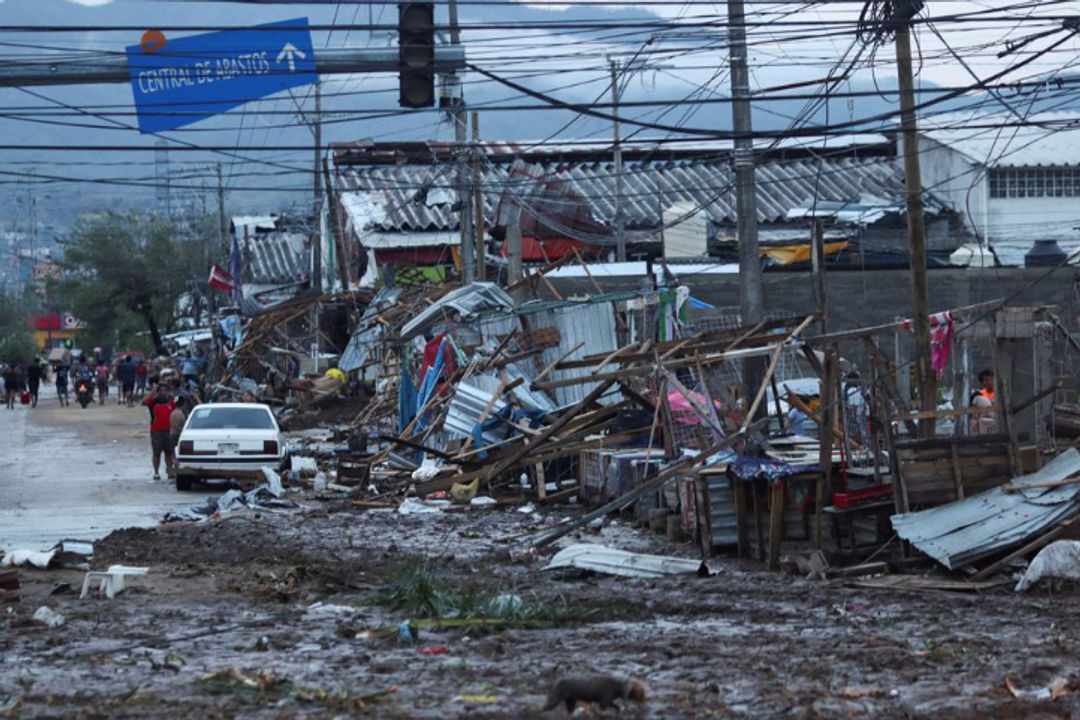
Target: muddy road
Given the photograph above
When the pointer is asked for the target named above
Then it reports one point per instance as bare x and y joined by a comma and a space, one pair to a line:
298, 614
72, 472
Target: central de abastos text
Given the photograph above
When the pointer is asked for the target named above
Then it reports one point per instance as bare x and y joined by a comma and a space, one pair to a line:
209, 71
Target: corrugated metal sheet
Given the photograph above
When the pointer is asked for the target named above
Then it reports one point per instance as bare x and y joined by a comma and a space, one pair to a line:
276, 258
403, 198
471, 397
720, 496
963, 531
464, 302
593, 325
1052, 139
598, 558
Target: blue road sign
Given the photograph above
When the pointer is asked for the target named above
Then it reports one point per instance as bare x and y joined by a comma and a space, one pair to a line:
178, 82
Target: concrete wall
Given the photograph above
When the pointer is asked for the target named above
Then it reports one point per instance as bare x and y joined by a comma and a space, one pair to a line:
871, 297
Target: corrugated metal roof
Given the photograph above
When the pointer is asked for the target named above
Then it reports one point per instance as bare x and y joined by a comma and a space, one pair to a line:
275, 258
1053, 139
465, 302
404, 198
963, 531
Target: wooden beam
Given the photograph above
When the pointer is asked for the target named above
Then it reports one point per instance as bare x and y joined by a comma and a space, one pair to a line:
550, 367
962, 314
776, 524
547, 432
1033, 545
773, 361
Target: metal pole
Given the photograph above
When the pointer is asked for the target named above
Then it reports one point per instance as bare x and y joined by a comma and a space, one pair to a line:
750, 294
457, 111
620, 232
316, 235
924, 375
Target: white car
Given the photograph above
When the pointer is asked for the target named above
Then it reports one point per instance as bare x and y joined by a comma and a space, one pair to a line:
229, 440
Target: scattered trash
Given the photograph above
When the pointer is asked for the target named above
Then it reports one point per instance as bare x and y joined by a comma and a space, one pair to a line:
48, 617
273, 481
37, 558
480, 699
1058, 687
261, 497
406, 632
598, 558
410, 506
483, 500
320, 609
464, 493
62, 588
304, 466
1059, 560
433, 651
319, 482
505, 605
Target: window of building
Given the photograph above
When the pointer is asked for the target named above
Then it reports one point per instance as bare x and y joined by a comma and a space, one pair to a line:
1035, 182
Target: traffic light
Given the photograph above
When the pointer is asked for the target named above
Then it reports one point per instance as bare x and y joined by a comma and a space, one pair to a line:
416, 54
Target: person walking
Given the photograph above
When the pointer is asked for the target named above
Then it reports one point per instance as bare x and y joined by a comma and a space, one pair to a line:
11, 384
161, 406
125, 375
101, 374
61, 373
140, 378
34, 373
177, 418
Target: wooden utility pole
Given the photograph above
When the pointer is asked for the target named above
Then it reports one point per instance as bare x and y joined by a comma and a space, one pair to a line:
750, 295
924, 375
457, 113
620, 225
478, 198
817, 255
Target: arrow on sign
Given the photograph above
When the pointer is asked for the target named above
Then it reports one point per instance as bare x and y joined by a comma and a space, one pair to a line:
290, 52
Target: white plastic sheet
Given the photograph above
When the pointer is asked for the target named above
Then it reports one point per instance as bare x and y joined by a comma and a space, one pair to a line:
1059, 559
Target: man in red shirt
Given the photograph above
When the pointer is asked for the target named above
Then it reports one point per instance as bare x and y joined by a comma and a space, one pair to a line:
161, 406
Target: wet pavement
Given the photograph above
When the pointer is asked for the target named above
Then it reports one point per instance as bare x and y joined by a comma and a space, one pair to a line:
76, 473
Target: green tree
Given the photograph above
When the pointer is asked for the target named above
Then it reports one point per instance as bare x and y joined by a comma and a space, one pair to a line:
16, 340
124, 271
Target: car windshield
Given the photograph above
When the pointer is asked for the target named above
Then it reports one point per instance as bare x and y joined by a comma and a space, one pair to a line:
230, 418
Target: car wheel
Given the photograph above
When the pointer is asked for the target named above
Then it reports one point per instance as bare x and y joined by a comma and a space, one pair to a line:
183, 483
286, 463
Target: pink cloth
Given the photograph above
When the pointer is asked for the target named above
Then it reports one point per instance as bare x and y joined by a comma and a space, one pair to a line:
681, 409
941, 333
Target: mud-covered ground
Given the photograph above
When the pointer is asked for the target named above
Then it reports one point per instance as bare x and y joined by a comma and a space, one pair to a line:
227, 625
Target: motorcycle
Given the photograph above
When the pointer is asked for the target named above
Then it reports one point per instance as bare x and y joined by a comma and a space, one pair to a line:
84, 392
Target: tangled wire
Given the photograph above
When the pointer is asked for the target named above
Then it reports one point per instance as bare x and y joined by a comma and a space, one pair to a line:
880, 19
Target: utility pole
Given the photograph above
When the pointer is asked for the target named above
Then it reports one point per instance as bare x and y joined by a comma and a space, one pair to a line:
316, 235
817, 265
924, 375
620, 230
457, 112
750, 295
478, 209
222, 229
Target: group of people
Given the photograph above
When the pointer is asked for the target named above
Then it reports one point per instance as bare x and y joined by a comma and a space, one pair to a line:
16, 379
